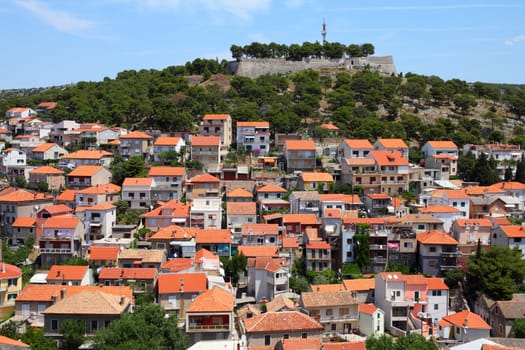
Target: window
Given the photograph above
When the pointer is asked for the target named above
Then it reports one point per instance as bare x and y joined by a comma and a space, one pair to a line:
348, 254
304, 335
349, 241
407, 244
436, 307
250, 219
432, 263
94, 325
432, 249
266, 340
454, 204
12, 282
54, 325
462, 204
436, 293
329, 312
286, 336
398, 293
421, 226
378, 315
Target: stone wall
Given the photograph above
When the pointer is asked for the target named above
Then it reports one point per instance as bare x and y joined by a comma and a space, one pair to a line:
253, 68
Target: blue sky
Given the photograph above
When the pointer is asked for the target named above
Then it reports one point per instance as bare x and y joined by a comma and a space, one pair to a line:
50, 42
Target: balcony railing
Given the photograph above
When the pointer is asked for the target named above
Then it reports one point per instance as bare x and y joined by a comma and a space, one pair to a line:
56, 238
340, 318
55, 250
208, 328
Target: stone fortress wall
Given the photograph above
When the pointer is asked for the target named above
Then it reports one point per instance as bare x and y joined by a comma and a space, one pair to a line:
252, 68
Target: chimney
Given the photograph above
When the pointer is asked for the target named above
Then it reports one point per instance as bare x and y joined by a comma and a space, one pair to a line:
62, 293
54, 298
122, 299
182, 285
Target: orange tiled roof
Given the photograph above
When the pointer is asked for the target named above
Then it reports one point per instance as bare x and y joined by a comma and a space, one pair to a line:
378, 196
359, 143
321, 288
361, 284
368, 309
392, 143
166, 141
67, 272
203, 178
303, 219
254, 124
475, 190
103, 253
213, 236
268, 263
216, 116
67, 196
260, 229
271, 188
47, 170
480, 222
436, 237
137, 181
442, 144
360, 345
47, 105
317, 177
444, 156
88, 154
172, 232
9, 271
24, 222
182, 282
61, 222
450, 194
340, 197
136, 273
213, 300
45, 292
318, 245
329, 126
509, 185
90, 302
166, 171
389, 158
439, 209
513, 231
472, 320
239, 193
15, 344
20, 195
85, 170
136, 135
177, 264
301, 344
204, 254
281, 322
43, 147
290, 242
101, 189
300, 145
206, 141
436, 283
258, 251
241, 208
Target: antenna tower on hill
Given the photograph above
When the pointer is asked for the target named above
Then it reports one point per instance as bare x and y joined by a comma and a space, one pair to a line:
323, 32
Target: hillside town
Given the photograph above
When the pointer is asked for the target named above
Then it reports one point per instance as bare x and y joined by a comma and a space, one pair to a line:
252, 239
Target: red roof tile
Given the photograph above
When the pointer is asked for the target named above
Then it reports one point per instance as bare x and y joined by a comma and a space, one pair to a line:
241, 208
103, 253
203, 178
299, 145
468, 319
182, 283
436, 237
216, 116
281, 322
198, 141
136, 273
166, 171
67, 272
213, 300
136, 135
213, 236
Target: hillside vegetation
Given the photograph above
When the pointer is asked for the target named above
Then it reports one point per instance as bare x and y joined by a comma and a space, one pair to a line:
363, 104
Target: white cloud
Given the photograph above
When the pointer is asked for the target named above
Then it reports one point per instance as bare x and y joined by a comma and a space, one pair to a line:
242, 9
429, 7
515, 40
60, 20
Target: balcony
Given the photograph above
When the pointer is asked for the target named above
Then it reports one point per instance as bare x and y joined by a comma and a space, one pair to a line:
378, 246
55, 251
65, 238
338, 318
450, 254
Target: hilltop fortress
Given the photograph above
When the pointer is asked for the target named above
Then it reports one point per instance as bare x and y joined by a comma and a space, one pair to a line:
255, 67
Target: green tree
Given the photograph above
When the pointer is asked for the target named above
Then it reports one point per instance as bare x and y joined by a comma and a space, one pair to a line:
362, 246
464, 102
497, 273
75, 261
146, 328
518, 328
37, 341
520, 170
411, 341
466, 164
234, 266
72, 334
453, 277
10, 329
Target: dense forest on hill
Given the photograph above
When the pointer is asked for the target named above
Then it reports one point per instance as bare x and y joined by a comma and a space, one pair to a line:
363, 104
